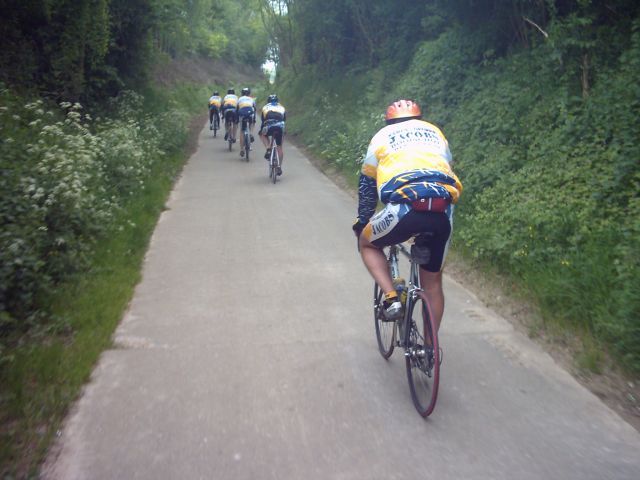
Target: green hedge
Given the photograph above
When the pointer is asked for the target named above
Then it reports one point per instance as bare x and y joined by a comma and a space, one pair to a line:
551, 173
65, 175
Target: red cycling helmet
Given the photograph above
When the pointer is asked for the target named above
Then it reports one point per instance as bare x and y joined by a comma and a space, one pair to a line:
402, 109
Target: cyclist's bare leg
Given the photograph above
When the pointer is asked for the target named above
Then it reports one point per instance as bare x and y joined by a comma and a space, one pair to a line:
235, 130
265, 140
376, 262
280, 153
226, 125
432, 285
241, 142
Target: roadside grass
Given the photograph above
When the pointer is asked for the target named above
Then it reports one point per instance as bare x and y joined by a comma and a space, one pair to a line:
46, 374
514, 299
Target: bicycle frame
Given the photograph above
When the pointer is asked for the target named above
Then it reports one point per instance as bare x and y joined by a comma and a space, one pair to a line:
416, 335
413, 289
245, 125
245, 136
228, 127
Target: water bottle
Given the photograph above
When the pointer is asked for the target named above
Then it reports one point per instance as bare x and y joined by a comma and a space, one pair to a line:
401, 288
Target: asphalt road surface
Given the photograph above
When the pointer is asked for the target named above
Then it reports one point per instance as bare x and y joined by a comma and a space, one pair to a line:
249, 352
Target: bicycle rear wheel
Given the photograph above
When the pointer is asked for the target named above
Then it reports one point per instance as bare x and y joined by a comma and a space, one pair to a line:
272, 169
422, 357
247, 146
228, 129
274, 164
384, 329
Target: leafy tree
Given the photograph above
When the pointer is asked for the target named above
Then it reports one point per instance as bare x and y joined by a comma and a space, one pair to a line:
90, 50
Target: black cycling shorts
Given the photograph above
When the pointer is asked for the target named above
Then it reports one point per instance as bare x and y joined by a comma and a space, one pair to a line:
397, 223
230, 116
274, 131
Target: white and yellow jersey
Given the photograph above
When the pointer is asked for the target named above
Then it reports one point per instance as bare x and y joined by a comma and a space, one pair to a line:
411, 160
230, 101
246, 102
273, 112
215, 101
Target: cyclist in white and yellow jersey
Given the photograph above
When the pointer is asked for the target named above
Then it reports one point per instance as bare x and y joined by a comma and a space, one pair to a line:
407, 167
246, 111
229, 113
273, 119
214, 108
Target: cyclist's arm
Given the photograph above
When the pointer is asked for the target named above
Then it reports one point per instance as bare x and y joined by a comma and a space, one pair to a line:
367, 198
367, 188
261, 120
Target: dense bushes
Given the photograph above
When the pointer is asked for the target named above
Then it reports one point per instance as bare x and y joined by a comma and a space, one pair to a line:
548, 159
553, 195
64, 176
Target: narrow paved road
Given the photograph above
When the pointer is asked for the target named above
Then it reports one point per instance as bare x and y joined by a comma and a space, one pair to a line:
248, 352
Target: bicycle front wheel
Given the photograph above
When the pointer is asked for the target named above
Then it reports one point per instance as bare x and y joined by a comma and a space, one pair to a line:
384, 329
422, 357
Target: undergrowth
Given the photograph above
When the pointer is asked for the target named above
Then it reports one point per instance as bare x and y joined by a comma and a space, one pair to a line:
81, 196
551, 174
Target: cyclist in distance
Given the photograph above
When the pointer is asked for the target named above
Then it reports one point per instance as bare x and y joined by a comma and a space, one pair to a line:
246, 109
229, 113
408, 167
214, 108
273, 118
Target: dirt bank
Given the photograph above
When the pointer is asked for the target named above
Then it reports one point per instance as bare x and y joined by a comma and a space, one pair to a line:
204, 71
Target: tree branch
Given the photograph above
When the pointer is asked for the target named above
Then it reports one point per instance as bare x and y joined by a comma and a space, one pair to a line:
546, 35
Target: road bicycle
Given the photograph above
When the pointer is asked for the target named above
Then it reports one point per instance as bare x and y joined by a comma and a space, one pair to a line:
246, 137
274, 160
415, 332
228, 126
216, 125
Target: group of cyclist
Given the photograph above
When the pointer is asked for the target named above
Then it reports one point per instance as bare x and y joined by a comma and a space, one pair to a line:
233, 110
408, 167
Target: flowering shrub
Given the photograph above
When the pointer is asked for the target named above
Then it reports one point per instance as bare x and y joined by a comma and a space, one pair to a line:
64, 174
